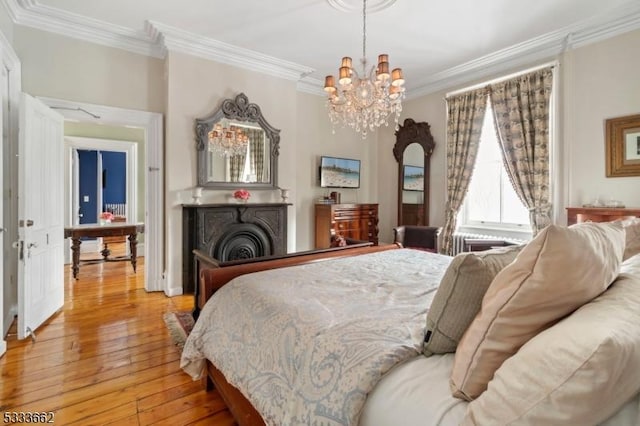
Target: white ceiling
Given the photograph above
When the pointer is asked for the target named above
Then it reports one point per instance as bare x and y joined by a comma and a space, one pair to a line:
432, 41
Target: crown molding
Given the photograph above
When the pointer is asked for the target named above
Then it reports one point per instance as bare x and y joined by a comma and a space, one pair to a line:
311, 85
618, 22
175, 39
12, 9
373, 6
157, 39
32, 14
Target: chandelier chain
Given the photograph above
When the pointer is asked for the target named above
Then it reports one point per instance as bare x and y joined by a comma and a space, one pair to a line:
364, 30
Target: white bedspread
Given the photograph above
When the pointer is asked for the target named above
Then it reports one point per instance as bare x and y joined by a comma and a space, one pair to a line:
305, 344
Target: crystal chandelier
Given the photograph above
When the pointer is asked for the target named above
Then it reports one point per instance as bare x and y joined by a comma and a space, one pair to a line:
365, 101
228, 141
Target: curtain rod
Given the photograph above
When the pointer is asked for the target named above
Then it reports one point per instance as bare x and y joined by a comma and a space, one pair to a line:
551, 64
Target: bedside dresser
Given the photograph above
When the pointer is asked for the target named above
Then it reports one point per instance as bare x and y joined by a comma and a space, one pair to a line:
599, 214
354, 221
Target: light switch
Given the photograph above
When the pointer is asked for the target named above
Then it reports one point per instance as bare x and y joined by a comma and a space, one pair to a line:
85, 198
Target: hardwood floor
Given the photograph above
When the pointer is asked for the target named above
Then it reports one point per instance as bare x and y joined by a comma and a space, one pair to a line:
107, 358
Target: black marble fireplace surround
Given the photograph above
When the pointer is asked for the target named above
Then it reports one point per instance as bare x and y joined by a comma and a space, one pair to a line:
231, 232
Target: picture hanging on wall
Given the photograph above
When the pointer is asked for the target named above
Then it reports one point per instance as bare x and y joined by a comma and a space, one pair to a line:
339, 172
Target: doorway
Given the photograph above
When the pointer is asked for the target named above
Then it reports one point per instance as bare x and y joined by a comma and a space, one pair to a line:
95, 182
152, 170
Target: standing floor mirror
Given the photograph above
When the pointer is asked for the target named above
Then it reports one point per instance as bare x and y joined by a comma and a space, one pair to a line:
412, 150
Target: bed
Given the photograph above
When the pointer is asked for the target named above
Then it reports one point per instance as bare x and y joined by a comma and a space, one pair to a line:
353, 318
345, 366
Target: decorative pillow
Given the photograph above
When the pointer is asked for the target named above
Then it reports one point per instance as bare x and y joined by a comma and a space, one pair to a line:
557, 272
578, 372
460, 294
632, 228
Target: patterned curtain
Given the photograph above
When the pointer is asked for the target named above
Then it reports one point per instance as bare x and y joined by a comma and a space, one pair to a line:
521, 117
464, 125
256, 152
236, 167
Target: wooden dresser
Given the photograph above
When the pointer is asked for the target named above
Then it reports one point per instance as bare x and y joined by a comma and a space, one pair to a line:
355, 221
599, 214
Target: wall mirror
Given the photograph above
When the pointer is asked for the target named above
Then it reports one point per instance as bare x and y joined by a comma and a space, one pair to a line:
254, 165
412, 150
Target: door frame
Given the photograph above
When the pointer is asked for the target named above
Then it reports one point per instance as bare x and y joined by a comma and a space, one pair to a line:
74, 143
152, 124
9, 181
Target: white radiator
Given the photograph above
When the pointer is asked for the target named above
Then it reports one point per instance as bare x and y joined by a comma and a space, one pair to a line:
118, 209
458, 240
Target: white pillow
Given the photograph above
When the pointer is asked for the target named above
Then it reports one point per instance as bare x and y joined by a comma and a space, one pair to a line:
558, 271
578, 372
632, 229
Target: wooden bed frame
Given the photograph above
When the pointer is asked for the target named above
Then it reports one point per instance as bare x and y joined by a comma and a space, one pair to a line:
214, 277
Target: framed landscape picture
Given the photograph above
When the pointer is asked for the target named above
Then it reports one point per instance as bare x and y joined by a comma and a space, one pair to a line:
413, 178
339, 172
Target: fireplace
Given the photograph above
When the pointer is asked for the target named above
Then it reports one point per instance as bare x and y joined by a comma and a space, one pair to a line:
231, 232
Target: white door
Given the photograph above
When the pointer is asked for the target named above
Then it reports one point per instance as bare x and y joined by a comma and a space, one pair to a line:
4, 136
40, 215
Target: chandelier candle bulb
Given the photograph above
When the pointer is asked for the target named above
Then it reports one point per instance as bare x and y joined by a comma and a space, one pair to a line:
383, 70
345, 76
329, 84
397, 77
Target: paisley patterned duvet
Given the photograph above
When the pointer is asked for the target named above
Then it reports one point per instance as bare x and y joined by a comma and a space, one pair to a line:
305, 344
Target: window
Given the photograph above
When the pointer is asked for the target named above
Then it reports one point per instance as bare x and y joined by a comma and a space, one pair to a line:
491, 202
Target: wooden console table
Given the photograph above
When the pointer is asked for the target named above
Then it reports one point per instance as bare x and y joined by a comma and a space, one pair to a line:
106, 230
599, 214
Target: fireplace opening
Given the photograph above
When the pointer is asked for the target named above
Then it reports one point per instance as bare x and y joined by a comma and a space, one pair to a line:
242, 241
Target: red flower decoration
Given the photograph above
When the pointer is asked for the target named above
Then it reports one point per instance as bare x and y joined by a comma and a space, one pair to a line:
241, 194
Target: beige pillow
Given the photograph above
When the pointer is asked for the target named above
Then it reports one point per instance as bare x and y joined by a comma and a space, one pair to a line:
460, 294
578, 372
632, 228
557, 272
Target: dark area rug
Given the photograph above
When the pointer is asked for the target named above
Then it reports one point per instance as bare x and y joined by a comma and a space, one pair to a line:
179, 325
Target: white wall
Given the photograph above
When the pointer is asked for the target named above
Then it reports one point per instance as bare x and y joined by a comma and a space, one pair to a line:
432, 109
316, 138
602, 81
61, 67
6, 25
195, 88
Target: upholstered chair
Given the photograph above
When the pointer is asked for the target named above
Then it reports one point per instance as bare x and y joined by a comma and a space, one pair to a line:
415, 236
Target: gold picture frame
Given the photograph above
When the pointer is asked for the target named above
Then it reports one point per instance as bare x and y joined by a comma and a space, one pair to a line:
623, 146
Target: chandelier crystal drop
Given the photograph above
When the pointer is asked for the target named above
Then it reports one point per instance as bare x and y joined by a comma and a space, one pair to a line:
365, 101
228, 141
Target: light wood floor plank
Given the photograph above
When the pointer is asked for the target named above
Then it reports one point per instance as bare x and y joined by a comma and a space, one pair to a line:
107, 358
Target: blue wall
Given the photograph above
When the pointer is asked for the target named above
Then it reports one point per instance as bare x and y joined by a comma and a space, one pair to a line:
114, 175
88, 185
114, 181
